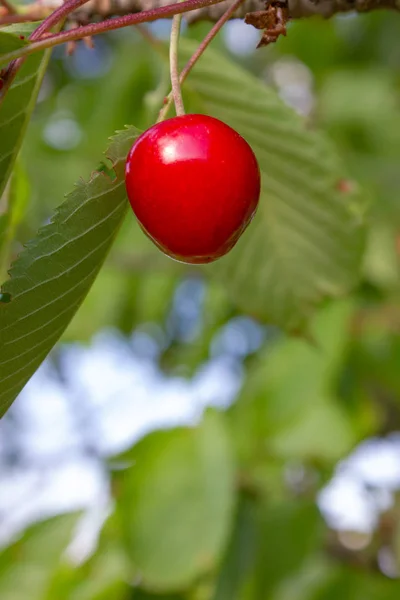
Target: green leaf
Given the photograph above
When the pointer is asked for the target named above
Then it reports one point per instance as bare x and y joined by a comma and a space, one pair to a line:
106, 574
305, 582
12, 210
348, 584
176, 502
238, 563
10, 41
104, 578
270, 543
291, 533
143, 595
54, 273
287, 405
17, 106
307, 239
27, 566
322, 432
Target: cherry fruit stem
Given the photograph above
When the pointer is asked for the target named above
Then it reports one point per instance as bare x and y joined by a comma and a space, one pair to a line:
196, 55
174, 66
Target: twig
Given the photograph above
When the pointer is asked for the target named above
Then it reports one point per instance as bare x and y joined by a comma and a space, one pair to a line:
56, 17
174, 66
108, 25
197, 54
84, 32
13, 18
209, 38
9, 7
98, 10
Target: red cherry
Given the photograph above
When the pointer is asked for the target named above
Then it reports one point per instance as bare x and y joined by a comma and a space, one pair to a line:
194, 184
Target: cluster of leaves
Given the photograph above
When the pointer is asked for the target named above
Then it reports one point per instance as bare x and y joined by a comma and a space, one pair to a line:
206, 513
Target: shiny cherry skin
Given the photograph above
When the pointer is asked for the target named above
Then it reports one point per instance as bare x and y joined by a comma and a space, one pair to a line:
194, 184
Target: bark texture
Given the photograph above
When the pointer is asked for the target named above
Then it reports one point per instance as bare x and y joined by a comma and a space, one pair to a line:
297, 8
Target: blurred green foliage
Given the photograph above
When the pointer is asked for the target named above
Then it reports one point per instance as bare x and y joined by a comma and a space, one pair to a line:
208, 513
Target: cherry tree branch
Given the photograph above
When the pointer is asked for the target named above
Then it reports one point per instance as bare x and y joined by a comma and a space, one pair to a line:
108, 25
298, 8
11, 19
305, 8
60, 14
57, 17
8, 7
95, 10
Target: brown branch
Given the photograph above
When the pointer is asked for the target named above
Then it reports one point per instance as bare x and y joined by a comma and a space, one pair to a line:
25, 18
58, 16
98, 10
50, 41
54, 19
8, 7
